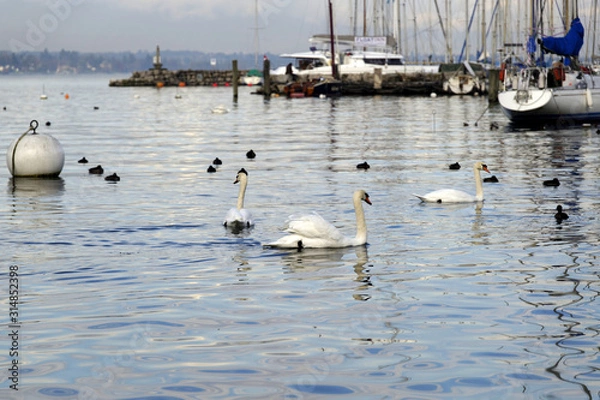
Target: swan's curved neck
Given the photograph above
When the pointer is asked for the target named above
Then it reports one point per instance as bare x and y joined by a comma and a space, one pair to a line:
242, 194
361, 223
478, 184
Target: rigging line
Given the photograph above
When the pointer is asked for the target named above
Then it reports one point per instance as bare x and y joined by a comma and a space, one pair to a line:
468, 31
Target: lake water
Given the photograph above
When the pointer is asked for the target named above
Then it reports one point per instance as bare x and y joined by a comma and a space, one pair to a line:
135, 290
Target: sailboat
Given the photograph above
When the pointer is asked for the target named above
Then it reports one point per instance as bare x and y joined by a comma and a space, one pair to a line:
254, 76
43, 96
551, 87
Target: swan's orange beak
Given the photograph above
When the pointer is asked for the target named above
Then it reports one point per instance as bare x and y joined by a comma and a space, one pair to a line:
368, 201
485, 168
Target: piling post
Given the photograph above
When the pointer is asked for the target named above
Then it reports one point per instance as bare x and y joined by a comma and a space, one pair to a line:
494, 82
235, 79
377, 79
266, 78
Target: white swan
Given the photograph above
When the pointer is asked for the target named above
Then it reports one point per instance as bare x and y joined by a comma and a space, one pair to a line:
458, 196
239, 217
312, 231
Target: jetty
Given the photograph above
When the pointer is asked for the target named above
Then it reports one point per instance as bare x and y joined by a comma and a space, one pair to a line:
368, 84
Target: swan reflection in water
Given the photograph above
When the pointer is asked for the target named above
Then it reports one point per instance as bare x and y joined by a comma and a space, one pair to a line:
308, 262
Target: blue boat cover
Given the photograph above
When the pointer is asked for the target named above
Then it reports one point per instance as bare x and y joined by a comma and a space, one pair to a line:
570, 44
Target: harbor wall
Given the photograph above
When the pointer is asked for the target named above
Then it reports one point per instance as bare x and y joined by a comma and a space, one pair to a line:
165, 77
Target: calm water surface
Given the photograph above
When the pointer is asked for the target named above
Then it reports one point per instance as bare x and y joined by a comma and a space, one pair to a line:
135, 290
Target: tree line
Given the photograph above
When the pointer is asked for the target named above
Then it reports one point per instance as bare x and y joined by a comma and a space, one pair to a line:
66, 62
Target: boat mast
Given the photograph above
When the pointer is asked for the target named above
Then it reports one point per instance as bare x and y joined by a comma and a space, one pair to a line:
415, 32
448, 51
483, 32
334, 71
467, 30
594, 30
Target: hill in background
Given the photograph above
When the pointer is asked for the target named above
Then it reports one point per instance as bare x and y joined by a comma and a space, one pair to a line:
73, 62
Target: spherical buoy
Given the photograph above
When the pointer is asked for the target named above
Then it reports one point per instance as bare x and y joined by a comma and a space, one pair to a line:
35, 155
433, 95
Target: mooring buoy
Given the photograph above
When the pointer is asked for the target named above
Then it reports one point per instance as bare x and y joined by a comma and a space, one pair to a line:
35, 154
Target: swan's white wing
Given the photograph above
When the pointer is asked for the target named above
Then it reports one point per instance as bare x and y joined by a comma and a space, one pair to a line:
237, 217
447, 196
246, 216
233, 215
312, 226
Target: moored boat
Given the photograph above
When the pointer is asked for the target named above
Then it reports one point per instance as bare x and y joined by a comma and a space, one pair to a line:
551, 91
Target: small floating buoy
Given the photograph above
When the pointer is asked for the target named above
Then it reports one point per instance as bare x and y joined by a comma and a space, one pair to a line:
96, 108
217, 161
83, 161
35, 155
113, 178
48, 123
454, 166
364, 165
98, 170
433, 95
251, 154
211, 169
67, 96
220, 109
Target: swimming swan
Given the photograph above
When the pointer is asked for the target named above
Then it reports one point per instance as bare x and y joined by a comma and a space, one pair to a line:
458, 196
312, 231
239, 217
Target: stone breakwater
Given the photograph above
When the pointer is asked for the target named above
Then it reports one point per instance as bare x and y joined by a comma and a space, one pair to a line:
164, 77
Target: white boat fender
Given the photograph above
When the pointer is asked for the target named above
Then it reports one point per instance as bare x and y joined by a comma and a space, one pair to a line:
588, 98
35, 155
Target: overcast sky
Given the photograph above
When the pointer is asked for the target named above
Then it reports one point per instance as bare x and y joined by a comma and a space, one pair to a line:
211, 25
131, 25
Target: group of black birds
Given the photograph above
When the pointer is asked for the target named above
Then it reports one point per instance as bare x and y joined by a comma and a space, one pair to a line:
98, 170
560, 214
250, 154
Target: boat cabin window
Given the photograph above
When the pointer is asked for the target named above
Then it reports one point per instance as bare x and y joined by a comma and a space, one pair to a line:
304, 64
383, 61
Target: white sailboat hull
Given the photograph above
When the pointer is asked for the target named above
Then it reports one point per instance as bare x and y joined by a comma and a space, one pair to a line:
547, 105
576, 101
